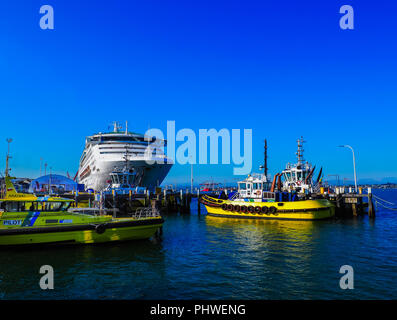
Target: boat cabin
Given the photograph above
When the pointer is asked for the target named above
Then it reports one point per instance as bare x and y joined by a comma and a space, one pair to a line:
297, 177
254, 187
122, 179
35, 205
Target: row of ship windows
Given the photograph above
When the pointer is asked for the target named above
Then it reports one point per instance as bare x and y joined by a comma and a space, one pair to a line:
120, 152
87, 157
137, 150
145, 143
122, 138
128, 148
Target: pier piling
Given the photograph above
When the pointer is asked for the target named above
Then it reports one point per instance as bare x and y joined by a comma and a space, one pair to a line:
371, 210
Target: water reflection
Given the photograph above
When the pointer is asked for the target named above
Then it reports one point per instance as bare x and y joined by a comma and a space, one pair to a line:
258, 229
108, 271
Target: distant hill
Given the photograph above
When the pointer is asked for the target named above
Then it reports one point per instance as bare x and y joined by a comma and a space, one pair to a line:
366, 181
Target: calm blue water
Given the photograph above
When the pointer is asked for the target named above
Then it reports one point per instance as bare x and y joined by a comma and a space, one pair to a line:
202, 257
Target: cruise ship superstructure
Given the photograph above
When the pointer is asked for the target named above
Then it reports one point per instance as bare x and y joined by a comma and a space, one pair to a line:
118, 151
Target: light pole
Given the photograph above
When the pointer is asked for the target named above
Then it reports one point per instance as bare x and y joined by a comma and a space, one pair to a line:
354, 164
191, 175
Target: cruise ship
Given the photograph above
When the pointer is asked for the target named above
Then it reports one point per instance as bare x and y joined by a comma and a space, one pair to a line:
118, 151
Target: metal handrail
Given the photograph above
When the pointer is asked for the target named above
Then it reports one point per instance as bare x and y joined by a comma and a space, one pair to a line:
145, 212
93, 211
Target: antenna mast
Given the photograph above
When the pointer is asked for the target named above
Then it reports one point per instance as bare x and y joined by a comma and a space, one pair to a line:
299, 153
265, 162
9, 140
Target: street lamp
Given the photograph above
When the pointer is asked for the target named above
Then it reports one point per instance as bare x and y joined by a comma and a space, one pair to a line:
354, 164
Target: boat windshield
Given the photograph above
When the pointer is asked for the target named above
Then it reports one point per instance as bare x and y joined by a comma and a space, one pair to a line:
18, 206
242, 186
257, 186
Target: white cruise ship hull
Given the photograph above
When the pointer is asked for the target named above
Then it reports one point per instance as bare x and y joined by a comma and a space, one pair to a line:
149, 175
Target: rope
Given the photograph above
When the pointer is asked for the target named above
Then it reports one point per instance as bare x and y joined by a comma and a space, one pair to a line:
386, 207
393, 204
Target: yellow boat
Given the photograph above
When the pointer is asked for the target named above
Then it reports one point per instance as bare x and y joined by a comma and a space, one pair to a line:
298, 210
253, 202
27, 219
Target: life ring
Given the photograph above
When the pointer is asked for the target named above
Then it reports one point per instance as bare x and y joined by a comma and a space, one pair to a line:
237, 208
258, 209
265, 210
100, 228
257, 192
298, 182
230, 207
251, 209
273, 210
243, 209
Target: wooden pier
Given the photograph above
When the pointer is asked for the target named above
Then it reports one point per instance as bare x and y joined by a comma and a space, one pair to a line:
350, 204
165, 201
347, 202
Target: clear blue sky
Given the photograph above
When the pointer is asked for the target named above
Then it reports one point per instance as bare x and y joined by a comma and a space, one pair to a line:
282, 68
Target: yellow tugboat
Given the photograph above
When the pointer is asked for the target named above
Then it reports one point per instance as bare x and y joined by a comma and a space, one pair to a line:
300, 210
26, 219
256, 199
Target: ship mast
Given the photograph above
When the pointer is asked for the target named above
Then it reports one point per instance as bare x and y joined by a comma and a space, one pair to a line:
126, 158
264, 166
265, 160
9, 140
299, 153
116, 126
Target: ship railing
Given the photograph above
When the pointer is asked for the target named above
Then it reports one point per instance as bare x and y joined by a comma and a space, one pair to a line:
94, 211
145, 212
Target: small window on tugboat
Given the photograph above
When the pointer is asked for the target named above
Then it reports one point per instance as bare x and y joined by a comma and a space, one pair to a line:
243, 186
